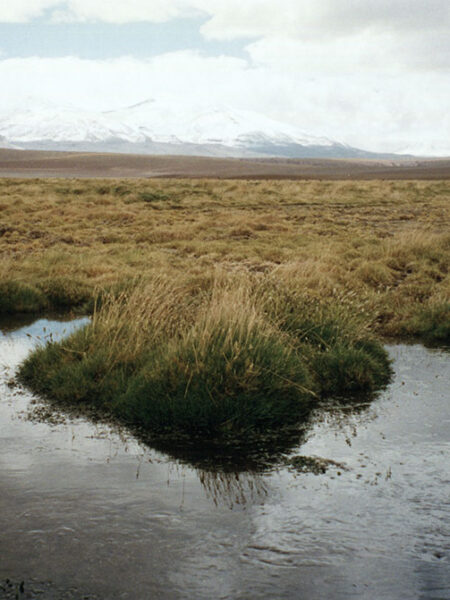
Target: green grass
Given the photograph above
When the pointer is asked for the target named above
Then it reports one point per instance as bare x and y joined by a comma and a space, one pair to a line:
431, 323
19, 297
223, 365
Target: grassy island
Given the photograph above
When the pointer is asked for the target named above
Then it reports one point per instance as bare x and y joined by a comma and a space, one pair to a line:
223, 306
241, 355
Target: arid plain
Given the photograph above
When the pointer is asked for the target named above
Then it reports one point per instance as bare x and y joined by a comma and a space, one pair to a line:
26, 163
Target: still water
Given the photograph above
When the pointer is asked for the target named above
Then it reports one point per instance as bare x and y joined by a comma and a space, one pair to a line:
89, 512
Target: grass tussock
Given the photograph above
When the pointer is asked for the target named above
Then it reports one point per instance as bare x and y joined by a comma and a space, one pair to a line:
229, 358
20, 297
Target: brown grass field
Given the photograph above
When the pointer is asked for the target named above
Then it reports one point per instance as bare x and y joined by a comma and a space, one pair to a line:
383, 244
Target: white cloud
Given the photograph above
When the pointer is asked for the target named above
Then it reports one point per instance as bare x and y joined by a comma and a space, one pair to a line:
22, 11
372, 111
325, 34
411, 32
303, 19
249, 18
361, 52
104, 84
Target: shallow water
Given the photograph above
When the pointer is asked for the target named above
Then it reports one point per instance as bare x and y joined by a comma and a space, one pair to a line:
89, 512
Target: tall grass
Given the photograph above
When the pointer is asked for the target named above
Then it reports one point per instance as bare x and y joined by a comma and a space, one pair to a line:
214, 360
386, 242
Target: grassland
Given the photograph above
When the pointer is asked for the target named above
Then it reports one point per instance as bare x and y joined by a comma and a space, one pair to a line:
216, 299
385, 243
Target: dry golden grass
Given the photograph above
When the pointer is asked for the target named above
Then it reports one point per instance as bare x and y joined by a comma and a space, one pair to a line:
383, 245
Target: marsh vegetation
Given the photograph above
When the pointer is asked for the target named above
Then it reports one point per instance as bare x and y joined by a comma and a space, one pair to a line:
224, 306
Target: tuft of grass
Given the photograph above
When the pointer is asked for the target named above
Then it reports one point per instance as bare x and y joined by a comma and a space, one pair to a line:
152, 196
431, 323
19, 297
217, 362
334, 339
343, 369
230, 371
61, 292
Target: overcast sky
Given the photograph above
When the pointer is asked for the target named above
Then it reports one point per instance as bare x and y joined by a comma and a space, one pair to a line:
372, 73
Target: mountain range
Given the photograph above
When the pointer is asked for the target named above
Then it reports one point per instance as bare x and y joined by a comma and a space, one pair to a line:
164, 127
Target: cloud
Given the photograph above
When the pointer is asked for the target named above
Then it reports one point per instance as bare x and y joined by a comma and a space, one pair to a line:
360, 52
378, 112
120, 11
106, 84
22, 11
321, 34
228, 19
326, 35
108, 11
303, 19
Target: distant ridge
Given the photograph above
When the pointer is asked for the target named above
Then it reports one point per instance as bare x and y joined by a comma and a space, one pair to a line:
164, 128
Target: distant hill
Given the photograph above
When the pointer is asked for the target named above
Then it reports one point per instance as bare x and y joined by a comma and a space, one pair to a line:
164, 128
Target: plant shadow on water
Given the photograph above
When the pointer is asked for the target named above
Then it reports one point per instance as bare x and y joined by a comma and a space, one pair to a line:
233, 473
355, 497
231, 470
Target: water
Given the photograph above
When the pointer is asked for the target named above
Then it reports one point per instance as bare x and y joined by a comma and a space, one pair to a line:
90, 512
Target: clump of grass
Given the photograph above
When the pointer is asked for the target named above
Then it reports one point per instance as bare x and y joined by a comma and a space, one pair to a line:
153, 196
19, 297
61, 292
230, 371
334, 339
216, 361
48, 294
95, 363
431, 323
348, 368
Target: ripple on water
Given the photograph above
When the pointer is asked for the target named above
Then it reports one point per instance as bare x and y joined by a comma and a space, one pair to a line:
87, 511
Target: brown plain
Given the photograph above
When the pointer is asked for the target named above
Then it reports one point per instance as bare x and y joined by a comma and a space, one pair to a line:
25, 163
383, 244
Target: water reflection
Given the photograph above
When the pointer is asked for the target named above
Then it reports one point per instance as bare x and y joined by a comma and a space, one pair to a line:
231, 472
353, 505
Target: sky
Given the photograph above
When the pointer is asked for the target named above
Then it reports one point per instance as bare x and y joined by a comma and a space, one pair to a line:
371, 73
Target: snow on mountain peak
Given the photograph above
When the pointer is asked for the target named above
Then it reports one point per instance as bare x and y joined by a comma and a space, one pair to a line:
159, 121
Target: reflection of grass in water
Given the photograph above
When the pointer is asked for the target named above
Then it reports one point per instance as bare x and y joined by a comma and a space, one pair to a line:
313, 464
230, 361
233, 489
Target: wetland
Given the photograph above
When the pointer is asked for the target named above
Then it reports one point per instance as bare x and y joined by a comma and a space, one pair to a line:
357, 507
247, 410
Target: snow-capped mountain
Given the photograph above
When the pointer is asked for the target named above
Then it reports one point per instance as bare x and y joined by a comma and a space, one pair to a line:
161, 127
